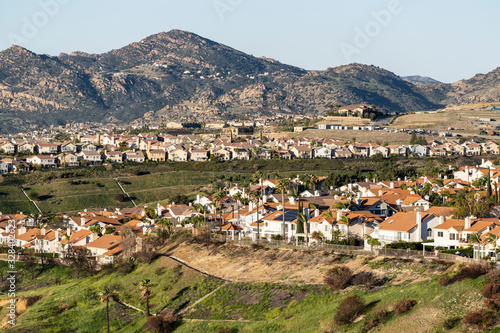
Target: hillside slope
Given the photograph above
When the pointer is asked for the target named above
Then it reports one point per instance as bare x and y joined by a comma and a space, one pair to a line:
56, 300
180, 75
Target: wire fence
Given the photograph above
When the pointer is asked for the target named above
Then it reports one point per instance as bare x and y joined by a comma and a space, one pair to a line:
400, 253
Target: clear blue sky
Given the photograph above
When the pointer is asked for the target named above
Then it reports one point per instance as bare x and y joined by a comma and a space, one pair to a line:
447, 40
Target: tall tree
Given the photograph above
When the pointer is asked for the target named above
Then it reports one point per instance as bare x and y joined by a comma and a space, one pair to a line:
105, 296
217, 199
344, 219
145, 293
282, 186
256, 199
237, 197
475, 238
488, 185
492, 239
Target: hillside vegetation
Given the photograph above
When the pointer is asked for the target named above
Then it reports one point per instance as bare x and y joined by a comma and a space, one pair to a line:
403, 295
74, 189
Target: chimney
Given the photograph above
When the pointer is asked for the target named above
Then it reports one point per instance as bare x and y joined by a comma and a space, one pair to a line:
374, 180
380, 193
292, 200
82, 221
316, 193
392, 185
158, 209
68, 232
441, 220
467, 222
419, 226
43, 231
366, 180
339, 215
198, 197
307, 214
22, 230
482, 162
336, 197
316, 212
399, 202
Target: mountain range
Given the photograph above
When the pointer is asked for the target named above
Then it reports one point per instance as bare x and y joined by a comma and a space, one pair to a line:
178, 75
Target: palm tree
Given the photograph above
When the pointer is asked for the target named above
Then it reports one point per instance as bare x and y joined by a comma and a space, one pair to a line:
282, 186
328, 214
372, 241
145, 293
237, 197
347, 222
492, 239
343, 205
105, 296
202, 210
475, 237
256, 199
217, 200
314, 181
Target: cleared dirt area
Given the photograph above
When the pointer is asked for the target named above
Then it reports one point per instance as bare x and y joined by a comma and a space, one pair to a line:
466, 120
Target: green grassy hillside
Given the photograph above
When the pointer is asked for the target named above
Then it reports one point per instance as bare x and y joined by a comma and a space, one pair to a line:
55, 300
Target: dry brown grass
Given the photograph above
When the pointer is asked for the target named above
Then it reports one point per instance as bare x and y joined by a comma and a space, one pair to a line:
461, 118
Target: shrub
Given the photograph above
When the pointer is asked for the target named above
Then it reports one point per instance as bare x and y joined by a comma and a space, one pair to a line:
451, 323
160, 324
480, 318
404, 305
363, 278
338, 277
491, 290
349, 310
227, 330
125, 267
372, 323
383, 314
473, 271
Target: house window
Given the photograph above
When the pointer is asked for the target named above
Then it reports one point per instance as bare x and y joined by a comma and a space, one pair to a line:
429, 232
440, 234
265, 224
452, 236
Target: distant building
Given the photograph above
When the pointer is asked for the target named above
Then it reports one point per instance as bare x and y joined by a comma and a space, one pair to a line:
239, 130
355, 110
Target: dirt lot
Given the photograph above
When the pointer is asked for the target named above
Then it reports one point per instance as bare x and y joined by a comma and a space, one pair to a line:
465, 119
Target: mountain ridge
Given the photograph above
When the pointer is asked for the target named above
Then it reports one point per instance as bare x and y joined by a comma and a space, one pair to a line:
178, 75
